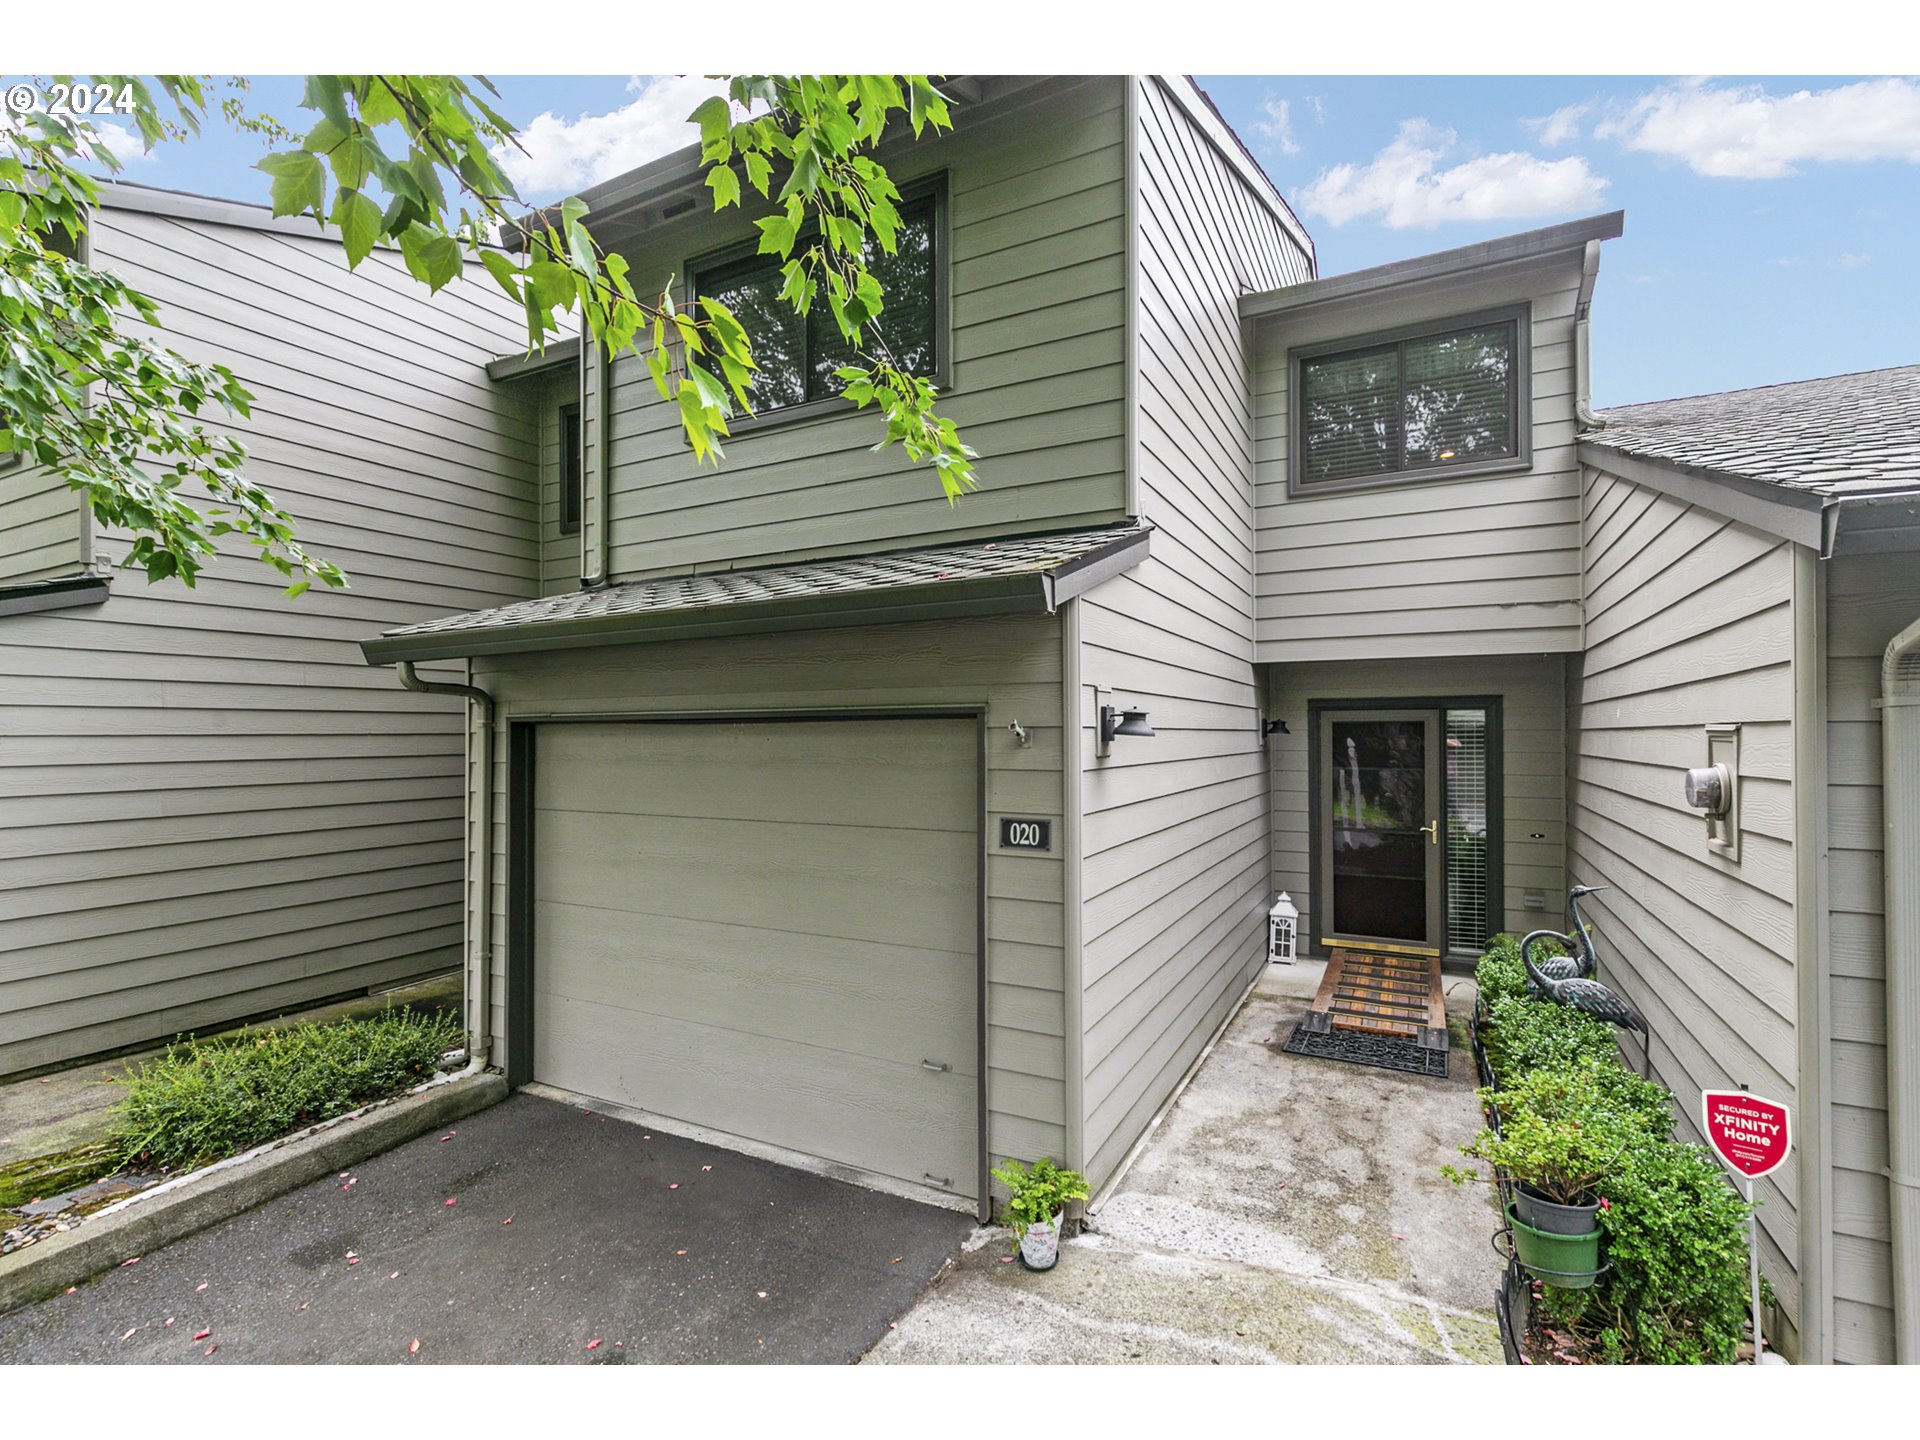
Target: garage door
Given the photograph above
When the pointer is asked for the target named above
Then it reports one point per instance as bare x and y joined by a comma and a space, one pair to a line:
768, 929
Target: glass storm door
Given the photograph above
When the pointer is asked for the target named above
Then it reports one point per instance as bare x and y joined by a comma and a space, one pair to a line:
1380, 851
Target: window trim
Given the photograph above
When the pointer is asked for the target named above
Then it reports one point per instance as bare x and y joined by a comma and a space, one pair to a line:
933, 186
571, 412
1520, 316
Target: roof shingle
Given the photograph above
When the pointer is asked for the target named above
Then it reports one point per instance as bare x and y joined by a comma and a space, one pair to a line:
1843, 435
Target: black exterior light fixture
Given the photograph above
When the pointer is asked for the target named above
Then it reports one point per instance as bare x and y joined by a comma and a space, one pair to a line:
1275, 727
1129, 722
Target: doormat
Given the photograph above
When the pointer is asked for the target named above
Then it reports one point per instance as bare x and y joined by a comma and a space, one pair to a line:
1414, 1056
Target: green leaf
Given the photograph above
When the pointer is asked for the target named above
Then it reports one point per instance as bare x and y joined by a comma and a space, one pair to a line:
759, 170
13, 209
713, 117
358, 220
503, 270
777, 234
725, 186
299, 183
430, 255
350, 162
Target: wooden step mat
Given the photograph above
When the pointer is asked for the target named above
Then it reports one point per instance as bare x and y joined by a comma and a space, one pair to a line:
1379, 994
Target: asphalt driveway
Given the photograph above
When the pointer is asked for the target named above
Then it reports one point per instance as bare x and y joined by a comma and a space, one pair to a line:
537, 1233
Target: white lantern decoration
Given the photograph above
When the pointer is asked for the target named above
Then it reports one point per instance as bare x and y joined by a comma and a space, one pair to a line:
1282, 921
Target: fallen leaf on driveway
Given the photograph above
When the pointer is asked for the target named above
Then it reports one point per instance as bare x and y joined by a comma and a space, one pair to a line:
679, 1252
414, 1348
593, 1344
896, 1260
201, 1286
706, 1167
452, 1198
72, 1288
129, 1334
203, 1334
167, 1324
394, 1276
1399, 1237
674, 1186
134, 1261
1006, 1259
763, 1294
448, 1136
353, 1259
507, 1221
210, 1349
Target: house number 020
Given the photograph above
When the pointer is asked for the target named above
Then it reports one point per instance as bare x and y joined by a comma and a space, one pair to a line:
1026, 834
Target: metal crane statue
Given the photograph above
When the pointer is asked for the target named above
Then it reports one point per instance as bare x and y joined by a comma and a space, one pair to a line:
1566, 983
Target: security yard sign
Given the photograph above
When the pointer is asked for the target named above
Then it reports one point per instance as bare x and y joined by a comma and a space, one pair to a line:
1751, 1135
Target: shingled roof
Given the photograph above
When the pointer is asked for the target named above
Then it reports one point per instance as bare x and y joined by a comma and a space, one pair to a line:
1846, 434
1831, 463
1032, 574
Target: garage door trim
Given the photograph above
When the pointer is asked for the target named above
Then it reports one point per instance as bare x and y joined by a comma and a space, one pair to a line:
521, 760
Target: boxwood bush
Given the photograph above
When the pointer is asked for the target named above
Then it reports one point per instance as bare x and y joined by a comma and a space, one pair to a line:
206, 1099
1676, 1229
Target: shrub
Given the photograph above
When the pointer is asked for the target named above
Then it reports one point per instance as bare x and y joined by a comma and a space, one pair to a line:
206, 1099
1561, 1134
1676, 1292
1677, 1240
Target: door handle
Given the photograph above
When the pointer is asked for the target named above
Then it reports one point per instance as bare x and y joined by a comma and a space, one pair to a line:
1432, 832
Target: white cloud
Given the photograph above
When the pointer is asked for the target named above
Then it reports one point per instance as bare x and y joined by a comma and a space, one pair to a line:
1741, 132
1405, 187
1559, 127
565, 155
1275, 125
1852, 260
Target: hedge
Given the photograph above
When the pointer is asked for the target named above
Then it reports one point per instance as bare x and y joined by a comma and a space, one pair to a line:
1676, 1230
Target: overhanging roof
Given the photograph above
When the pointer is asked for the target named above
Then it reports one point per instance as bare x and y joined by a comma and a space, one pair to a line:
1506, 250
1832, 463
1027, 575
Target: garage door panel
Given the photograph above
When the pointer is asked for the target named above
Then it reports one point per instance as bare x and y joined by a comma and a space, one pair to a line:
843, 881
887, 1001
765, 929
876, 1115
902, 772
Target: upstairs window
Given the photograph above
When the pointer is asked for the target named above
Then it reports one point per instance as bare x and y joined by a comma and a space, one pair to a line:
1411, 405
797, 355
570, 459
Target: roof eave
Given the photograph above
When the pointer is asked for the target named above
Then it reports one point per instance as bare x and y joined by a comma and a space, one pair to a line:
1886, 523
1530, 245
558, 354
1775, 509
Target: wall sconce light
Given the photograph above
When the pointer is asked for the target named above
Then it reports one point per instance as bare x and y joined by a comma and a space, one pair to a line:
1275, 727
1019, 733
1122, 722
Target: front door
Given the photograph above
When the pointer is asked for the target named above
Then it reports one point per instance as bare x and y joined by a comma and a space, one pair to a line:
1379, 830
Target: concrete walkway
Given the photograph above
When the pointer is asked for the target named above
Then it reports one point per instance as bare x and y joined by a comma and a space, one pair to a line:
1286, 1210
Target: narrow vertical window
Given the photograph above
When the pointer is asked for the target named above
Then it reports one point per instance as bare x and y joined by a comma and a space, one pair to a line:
1469, 904
570, 469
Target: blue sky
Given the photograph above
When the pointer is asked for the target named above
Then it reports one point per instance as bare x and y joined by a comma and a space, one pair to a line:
1773, 224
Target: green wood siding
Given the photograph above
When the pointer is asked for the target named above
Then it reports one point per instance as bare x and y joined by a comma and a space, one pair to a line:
1036, 205
1690, 623
1176, 880
1533, 776
1870, 599
1472, 566
210, 806
1011, 665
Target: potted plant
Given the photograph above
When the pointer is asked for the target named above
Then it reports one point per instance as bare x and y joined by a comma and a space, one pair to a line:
1558, 1140
1037, 1201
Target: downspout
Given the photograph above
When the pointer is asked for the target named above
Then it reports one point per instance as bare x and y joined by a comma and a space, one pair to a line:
1900, 794
1583, 417
480, 1007
1073, 846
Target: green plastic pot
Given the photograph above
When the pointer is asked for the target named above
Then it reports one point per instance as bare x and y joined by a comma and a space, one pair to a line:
1568, 1262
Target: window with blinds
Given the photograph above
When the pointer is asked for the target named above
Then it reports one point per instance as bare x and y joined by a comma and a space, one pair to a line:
1469, 903
1411, 405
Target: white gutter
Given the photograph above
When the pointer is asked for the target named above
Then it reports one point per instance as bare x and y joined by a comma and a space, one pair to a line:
1900, 795
1583, 417
479, 967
